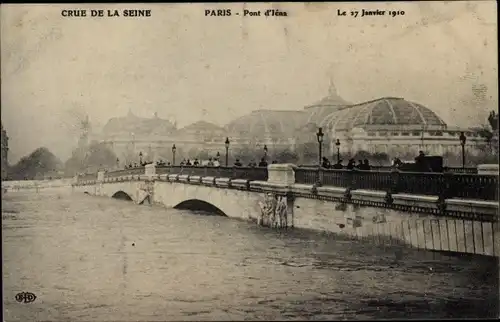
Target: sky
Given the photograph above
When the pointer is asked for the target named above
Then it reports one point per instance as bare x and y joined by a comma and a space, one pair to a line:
189, 67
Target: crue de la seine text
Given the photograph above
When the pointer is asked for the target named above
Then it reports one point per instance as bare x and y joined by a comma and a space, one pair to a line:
82, 13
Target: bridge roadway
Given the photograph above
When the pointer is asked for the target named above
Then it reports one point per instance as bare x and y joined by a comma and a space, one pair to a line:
378, 207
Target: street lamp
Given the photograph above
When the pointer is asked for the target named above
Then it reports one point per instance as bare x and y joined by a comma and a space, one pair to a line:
463, 138
140, 158
227, 149
337, 144
265, 152
319, 136
173, 154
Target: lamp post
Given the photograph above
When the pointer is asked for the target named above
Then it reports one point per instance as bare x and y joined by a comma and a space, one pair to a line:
140, 158
173, 154
319, 136
227, 150
463, 138
265, 152
337, 144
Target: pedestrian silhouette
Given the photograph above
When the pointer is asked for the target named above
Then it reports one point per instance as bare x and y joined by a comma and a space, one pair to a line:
350, 164
338, 165
325, 163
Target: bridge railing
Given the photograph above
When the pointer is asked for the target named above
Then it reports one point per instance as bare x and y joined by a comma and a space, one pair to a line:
385, 168
446, 185
125, 172
450, 185
249, 173
469, 186
88, 176
461, 170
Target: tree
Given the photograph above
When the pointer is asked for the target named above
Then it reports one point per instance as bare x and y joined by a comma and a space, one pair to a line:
361, 155
100, 156
39, 163
204, 155
248, 153
93, 158
490, 134
287, 156
308, 153
5, 150
380, 158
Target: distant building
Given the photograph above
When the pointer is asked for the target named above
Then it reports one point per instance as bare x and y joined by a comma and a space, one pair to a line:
389, 125
5, 151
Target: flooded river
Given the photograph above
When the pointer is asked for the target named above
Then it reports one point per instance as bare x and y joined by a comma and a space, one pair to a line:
97, 259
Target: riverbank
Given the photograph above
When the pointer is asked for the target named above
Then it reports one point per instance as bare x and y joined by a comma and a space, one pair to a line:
35, 184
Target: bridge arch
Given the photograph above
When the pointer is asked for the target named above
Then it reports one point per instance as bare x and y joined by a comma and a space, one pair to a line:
121, 195
200, 205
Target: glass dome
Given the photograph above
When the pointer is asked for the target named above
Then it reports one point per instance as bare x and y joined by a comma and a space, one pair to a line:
267, 123
388, 112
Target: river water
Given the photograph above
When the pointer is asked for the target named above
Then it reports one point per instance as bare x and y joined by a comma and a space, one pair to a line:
98, 259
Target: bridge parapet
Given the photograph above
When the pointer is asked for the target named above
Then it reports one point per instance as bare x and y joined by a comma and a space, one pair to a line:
100, 176
393, 185
150, 170
488, 169
281, 173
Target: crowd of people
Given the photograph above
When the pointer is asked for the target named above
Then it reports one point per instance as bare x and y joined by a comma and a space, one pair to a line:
211, 162
420, 162
351, 164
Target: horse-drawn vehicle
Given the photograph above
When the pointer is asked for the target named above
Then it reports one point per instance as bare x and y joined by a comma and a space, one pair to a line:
422, 164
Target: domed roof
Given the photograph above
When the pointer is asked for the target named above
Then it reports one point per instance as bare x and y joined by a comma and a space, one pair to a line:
268, 123
327, 105
332, 100
137, 125
384, 112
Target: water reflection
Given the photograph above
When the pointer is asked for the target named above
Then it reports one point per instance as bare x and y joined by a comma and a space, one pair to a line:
89, 258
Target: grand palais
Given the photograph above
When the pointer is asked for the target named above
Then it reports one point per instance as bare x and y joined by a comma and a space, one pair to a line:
391, 125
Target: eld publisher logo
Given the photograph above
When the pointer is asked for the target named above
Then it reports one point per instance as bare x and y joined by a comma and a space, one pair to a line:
25, 297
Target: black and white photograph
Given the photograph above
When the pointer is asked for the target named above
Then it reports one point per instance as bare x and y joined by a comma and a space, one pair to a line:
249, 161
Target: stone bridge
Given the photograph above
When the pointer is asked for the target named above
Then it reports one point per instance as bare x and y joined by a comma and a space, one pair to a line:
276, 200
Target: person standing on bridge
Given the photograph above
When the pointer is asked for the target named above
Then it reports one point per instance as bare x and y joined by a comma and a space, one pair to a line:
366, 165
325, 163
350, 164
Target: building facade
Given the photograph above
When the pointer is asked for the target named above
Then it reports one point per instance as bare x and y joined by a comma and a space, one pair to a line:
389, 125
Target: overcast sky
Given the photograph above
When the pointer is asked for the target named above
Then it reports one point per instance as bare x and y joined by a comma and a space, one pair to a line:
189, 67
